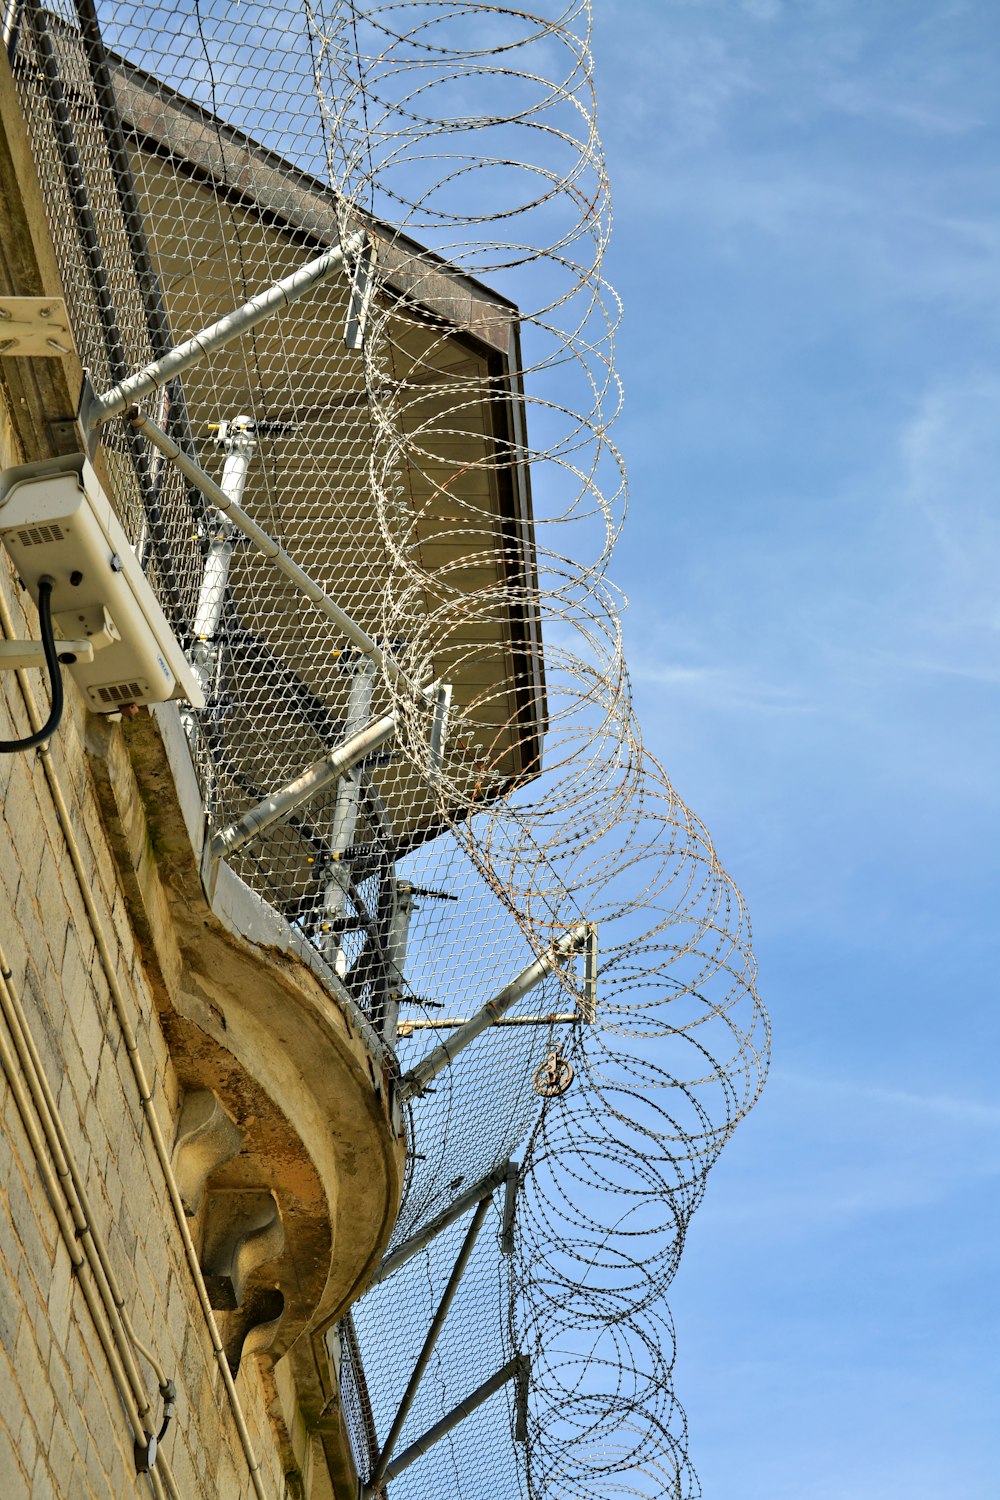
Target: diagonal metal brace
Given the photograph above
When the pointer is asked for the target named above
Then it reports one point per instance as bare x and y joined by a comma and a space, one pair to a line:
437, 1323
137, 387
442, 1056
321, 773
269, 548
484, 1188
517, 1369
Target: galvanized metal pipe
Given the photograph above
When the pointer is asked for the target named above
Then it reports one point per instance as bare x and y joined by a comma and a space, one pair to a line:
509, 1209
517, 1368
445, 1023
444, 1054
395, 959
10, 26
320, 774
239, 446
343, 823
437, 1322
232, 326
484, 1188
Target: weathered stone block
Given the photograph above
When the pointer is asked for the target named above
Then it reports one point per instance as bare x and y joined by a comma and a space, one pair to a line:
206, 1137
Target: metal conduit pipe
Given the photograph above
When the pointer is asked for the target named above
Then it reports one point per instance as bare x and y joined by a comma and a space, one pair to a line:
160, 337
75, 1223
69, 1174
91, 244
138, 1070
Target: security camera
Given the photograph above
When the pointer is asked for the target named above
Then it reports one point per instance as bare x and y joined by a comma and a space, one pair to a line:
61, 531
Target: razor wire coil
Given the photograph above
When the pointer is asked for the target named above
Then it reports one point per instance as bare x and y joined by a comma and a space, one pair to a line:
453, 483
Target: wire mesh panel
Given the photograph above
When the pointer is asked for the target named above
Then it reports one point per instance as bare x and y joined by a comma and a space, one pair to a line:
419, 449
473, 1344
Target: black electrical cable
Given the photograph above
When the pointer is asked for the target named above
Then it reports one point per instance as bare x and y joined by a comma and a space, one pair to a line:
9, 747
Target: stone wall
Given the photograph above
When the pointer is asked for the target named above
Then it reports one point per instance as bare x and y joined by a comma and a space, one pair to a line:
134, 1008
62, 1428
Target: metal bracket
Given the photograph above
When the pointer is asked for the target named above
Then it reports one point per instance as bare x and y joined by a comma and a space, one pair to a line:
588, 1010
509, 1209
439, 726
16, 654
518, 1369
362, 285
415, 1080
35, 328
484, 1188
144, 1453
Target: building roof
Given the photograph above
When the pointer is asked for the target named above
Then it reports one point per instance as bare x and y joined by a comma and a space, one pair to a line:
451, 349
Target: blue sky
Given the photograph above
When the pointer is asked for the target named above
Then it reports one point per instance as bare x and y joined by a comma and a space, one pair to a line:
808, 247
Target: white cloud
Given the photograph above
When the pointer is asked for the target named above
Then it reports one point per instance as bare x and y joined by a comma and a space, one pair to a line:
724, 687
928, 1106
762, 10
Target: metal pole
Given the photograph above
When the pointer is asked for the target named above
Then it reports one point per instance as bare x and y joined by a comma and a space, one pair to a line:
395, 965
232, 326
521, 1404
11, 26
266, 545
238, 442
318, 776
519, 1368
416, 1079
439, 727
509, 1207
448, 1023
345, 818
437, 1322
416, 1242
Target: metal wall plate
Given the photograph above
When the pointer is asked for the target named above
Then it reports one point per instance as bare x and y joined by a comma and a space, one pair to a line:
35, 327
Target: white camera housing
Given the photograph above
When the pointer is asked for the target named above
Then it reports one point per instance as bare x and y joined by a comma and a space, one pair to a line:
56, 520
